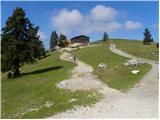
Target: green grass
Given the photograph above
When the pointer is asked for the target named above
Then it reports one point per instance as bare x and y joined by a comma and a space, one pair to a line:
37, 83
137, 48
116, 75
37, 86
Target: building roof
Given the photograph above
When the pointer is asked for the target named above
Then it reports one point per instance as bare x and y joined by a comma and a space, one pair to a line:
79, 36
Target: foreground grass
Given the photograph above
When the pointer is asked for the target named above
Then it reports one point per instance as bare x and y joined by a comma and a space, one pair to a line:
116, 75
25, 97
137, 48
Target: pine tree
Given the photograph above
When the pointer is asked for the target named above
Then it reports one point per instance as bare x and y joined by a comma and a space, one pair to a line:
62, 40
38, 47
53, 40
105, 37
147, 37
20, 42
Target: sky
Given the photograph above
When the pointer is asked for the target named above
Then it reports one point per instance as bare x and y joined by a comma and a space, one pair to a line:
120, 19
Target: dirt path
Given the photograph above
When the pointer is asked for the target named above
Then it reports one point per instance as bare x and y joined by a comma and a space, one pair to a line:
124, 54
149, 83
140, 102
82, 77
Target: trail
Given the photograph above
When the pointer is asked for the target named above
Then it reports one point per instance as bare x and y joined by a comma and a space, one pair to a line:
82, 77
140, 102
149, 83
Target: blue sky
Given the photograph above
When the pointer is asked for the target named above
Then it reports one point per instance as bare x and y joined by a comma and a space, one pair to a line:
119, 19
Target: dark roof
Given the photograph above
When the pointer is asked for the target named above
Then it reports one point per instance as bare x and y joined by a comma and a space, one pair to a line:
79, 36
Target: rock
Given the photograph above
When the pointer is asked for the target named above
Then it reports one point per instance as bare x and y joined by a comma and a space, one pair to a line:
126, 64
135, 71
33, 109
62, 84
71, 58
72, 100
89, 96
48, 104
133, 62
102, 65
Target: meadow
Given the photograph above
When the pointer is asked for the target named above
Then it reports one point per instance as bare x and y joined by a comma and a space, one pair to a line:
137, 48
34, 94
116, 75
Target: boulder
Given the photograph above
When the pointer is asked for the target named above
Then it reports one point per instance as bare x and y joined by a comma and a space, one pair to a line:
135, 72
72, 100
133, 62
102, 65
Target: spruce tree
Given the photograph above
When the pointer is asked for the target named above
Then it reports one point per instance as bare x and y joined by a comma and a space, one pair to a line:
53, 40
62, 40
105, 37
20, 42
147, 37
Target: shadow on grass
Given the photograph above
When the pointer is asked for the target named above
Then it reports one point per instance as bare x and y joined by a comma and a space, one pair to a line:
43, 70
44, 56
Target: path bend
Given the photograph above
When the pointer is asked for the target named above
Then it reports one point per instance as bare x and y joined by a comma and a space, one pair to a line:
140, 102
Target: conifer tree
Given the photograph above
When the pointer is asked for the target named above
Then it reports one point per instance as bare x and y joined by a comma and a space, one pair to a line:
20, 42
105, 37
147, 37
53, 40
62, 40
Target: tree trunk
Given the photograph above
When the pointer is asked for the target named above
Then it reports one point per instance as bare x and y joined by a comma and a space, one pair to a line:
16, 72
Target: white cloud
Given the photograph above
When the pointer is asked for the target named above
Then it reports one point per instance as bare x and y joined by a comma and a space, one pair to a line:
132, 25
43, 36
93, 27
112, 26
102, 13
66, 20
99, 19
155, 26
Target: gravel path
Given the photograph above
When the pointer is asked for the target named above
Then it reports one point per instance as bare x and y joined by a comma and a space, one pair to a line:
140, 102
82, 77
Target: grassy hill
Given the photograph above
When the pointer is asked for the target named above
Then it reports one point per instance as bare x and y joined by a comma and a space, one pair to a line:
25, 97
135, 47
116, 75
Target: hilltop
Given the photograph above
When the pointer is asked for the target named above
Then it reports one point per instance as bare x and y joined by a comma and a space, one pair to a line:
135, 47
